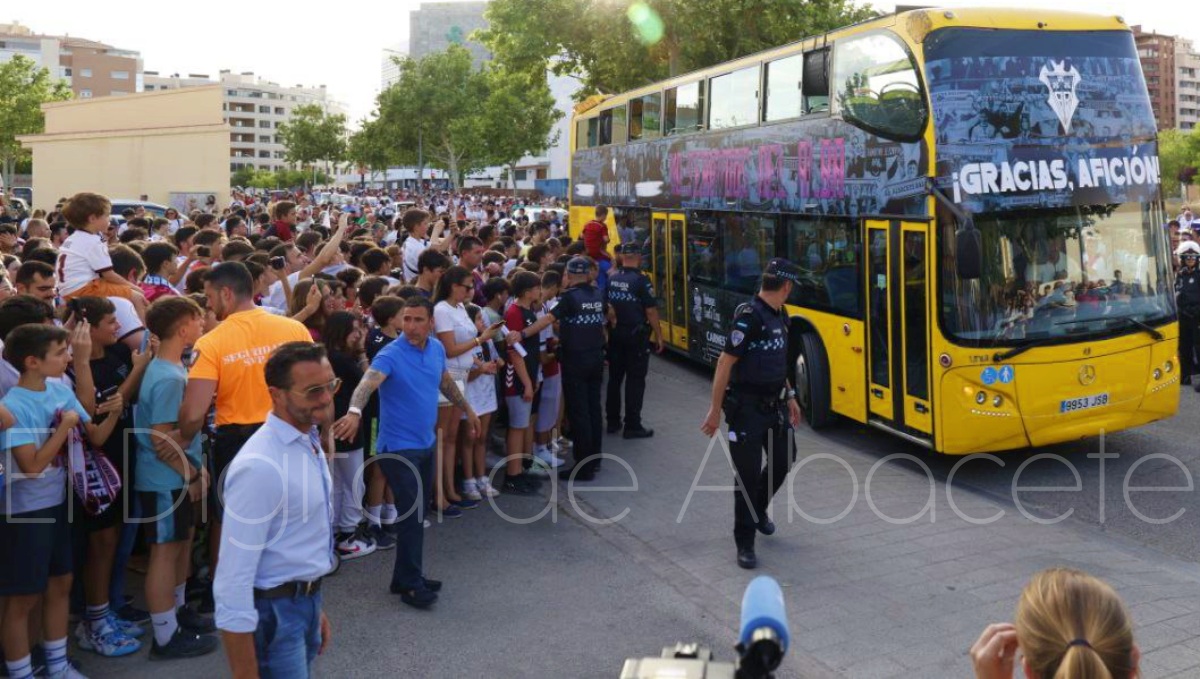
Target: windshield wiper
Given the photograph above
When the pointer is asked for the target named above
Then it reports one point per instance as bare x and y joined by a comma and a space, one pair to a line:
1000, 357
1149, 330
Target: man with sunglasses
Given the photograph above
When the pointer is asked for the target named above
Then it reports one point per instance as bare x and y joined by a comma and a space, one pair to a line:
278, 541
1187, 298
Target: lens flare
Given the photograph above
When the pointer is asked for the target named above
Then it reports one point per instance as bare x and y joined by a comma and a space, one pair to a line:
646, 22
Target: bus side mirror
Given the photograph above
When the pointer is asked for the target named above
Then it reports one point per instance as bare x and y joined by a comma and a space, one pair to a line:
968, 247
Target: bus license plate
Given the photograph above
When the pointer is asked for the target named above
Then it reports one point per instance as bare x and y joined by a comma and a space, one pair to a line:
1072, 404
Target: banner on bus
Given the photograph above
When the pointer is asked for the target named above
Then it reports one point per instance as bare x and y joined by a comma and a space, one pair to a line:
1040, 119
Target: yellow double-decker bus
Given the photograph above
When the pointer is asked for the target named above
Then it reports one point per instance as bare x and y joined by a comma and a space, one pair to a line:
973, 197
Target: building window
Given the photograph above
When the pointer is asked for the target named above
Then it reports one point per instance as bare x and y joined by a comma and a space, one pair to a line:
264, 139
278, 110
522, 175
264, 123
85, 94
85, 73
264, 154
541, 173
231, 93
120, 75
264, 109
66, 72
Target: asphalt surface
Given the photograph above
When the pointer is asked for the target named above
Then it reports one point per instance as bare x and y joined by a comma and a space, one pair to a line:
564, 597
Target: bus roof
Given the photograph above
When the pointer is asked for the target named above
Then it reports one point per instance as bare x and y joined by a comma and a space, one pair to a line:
917, 23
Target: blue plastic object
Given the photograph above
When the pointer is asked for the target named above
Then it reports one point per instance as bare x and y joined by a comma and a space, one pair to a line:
762, 606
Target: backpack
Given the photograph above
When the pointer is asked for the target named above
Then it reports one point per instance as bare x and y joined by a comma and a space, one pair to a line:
92, 474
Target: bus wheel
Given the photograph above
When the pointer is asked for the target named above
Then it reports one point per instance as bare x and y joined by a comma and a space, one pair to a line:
812, 382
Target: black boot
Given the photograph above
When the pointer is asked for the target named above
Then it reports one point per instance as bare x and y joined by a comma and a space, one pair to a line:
746, 558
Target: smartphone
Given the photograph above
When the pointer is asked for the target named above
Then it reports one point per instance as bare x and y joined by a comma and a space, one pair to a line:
107, 394
278, 263
145, 340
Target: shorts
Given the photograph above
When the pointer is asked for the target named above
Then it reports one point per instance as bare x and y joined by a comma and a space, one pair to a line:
34, 552
443, 402
547, 410
481, 394
102, 288
166, 514
519, 411
229, 440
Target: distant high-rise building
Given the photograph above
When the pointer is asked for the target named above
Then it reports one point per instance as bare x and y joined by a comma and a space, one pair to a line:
254, 108
389, 70
93, 69
437, 25
1187, 85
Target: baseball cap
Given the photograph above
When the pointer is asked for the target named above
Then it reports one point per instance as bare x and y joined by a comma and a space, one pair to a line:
782, 268
578, 265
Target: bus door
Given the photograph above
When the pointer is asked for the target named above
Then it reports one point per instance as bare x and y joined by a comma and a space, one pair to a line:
667, 233
897, 257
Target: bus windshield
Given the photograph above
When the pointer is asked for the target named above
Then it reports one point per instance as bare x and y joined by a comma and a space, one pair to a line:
1084, 272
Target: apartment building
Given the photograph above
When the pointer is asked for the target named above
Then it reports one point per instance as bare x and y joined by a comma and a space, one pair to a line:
1187, 85
93, 69
254, 108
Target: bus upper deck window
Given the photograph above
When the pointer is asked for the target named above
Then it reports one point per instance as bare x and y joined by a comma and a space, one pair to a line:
685, 108
878, 88
783, 89
645, 117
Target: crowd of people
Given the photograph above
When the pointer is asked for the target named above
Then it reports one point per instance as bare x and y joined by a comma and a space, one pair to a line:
153, 365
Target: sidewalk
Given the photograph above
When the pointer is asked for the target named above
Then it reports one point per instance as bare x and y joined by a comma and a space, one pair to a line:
868, 597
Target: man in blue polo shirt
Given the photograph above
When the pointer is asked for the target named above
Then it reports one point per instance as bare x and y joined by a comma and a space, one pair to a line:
409, 373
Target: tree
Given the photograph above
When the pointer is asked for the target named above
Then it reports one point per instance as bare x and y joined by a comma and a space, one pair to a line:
518, 116
242, 177
369, 147
617, 45
1179, 158
433, 113
24, 87
312, 135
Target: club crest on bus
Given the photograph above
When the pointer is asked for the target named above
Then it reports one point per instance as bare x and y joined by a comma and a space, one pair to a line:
1061, 84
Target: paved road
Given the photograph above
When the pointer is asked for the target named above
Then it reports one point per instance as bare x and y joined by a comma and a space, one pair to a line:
570, 596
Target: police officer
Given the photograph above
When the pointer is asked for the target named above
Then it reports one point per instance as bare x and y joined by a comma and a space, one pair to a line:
581, 316
751, 383
631, 298
1187, 299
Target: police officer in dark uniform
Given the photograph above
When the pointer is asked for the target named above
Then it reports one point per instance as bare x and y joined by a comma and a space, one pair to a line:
630, 297
581, 317
1187, 299
751, 383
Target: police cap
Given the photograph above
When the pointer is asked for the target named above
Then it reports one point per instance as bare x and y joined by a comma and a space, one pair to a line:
629, 248
781, 268
578, 265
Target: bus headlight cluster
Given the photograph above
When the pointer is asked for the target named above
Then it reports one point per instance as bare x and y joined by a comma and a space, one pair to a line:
1158, 374
1166, 369
982, 398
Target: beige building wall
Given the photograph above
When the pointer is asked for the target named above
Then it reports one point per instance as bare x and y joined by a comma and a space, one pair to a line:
150, 144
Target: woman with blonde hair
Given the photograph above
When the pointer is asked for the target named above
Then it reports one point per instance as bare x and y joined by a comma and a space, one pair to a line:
1069, 625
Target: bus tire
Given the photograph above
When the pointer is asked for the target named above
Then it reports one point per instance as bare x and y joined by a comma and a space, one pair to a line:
812, 382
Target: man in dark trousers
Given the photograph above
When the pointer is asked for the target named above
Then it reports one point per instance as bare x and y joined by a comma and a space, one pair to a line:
630, 296
1187, 299
753, 386
580, 315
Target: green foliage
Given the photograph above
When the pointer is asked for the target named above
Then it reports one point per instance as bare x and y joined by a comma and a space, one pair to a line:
24, 87
617, 45
518, 115
369, 147
249, 177
312, 135
1179, 158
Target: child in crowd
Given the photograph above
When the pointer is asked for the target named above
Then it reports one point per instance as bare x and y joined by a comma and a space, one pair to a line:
84, 264
481, 394
168, 486
161, 269
520, 382
551, 391
35, 524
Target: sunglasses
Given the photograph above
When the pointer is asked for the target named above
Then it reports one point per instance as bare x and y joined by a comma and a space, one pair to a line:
315, 392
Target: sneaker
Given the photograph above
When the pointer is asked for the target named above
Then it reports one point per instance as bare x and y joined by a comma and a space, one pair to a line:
69, 672
384, 540
549, 458
427, 524
194, 622
417, 598
352, 545
539, 468
451, 512
562, 443
486, 489
105, 639
520, 484
183, 644
466, 503
133, 614
129, 629
471, 491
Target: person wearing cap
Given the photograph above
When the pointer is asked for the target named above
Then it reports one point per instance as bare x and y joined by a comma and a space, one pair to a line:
630, 295
751, 383
580, 313
1187, 299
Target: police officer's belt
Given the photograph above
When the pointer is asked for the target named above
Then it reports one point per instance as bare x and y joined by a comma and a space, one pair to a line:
773, 391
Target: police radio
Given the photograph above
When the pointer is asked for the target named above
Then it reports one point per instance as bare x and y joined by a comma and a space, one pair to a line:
762, 643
